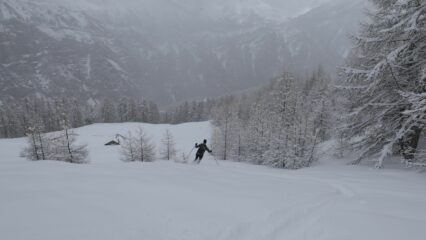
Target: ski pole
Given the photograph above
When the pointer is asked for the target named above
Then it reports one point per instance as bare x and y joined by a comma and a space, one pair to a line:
190, 153
214, 159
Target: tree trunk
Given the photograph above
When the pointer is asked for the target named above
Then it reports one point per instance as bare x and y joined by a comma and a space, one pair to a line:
410, 142
226, 139
141, 149
41, 146
35, 146
132, 155
69, 145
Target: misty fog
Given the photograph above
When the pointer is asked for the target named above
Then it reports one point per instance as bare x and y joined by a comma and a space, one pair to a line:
167, 50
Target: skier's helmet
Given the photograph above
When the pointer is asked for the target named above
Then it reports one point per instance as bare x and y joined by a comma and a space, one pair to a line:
205, 141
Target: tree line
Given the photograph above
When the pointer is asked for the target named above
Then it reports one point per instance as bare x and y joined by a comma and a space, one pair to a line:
18, 116
376, 107
279, 125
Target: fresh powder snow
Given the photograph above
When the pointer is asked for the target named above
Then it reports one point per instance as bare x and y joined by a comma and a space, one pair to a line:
110, 199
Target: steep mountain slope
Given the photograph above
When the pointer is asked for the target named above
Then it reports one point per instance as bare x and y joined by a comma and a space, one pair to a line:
165, 50
53, 51
321, 36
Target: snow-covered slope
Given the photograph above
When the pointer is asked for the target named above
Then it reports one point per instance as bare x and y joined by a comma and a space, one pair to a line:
109, 199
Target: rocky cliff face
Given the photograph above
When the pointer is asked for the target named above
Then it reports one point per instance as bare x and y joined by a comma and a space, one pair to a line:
164, 50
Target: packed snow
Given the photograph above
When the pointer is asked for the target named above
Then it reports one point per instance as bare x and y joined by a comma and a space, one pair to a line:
110, 199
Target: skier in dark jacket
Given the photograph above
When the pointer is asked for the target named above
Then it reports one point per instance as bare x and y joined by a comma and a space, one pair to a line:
200, 152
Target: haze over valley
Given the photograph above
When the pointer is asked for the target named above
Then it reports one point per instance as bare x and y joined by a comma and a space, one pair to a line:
163, 50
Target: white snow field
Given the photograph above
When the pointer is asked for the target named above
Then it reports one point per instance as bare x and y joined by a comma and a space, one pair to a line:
164, 200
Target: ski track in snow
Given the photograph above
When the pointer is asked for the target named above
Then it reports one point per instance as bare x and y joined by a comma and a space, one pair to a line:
293, 220
290, 222
109, 199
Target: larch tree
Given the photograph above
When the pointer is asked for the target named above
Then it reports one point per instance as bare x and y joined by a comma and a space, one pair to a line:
108, 111
63, 146
224, 118
258, 137
168, 147
138, 148
386, 81
282, 117
38, 145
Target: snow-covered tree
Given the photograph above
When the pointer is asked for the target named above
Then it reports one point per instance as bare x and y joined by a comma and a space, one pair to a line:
258, 138
137, 148
224, 118
282, 114
128, 148
122, 110
168, 148
279, 126
3, 123
154, 113
384, 73
38, 145
132, 111
108, 111
63, 145
77, 119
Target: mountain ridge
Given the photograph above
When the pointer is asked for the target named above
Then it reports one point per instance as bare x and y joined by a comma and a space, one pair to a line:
166, 56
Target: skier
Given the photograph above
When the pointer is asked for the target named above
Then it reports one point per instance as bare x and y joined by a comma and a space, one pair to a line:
200, 152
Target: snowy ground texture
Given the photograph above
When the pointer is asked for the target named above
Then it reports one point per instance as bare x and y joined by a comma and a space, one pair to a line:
109, 199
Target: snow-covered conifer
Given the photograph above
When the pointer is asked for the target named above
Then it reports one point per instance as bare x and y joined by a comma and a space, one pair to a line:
385, 71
